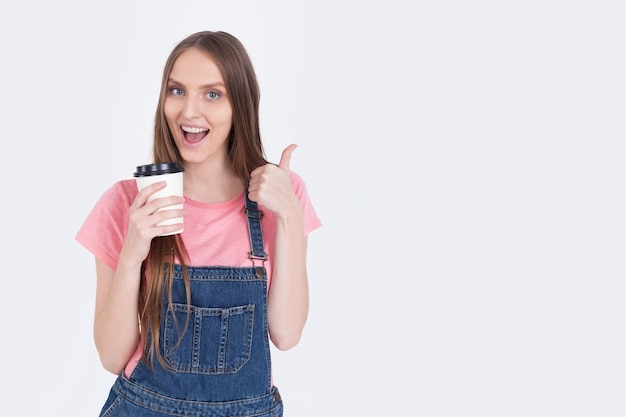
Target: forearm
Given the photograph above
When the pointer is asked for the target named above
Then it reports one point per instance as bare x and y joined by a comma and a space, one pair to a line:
116, 324
288, 304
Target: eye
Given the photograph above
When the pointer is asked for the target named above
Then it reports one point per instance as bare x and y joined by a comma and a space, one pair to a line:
175, 91
213, 95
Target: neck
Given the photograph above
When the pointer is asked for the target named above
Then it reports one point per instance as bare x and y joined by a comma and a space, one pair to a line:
211, 183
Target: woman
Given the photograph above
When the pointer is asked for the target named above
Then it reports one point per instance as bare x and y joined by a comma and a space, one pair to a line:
185, 320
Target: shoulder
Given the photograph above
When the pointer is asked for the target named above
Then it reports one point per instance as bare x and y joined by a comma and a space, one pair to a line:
123, 191
311, 219
297, 182
117, 199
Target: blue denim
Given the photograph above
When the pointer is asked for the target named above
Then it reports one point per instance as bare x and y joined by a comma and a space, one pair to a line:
217, 349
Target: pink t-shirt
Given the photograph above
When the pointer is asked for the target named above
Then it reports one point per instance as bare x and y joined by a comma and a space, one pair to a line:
215, 234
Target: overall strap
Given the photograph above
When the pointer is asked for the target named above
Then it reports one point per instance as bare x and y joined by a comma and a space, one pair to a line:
257, 252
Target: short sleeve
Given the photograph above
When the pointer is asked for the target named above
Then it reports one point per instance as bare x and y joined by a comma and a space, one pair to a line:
104, 230
310, 217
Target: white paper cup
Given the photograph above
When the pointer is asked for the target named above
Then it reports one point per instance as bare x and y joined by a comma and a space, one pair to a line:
172, 172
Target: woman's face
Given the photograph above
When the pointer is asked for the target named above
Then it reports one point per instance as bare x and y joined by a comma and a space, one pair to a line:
197, 107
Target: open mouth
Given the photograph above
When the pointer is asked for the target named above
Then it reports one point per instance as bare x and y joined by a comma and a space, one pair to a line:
194, 134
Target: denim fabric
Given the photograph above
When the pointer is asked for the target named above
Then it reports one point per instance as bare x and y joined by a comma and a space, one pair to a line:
131, 400
217, 349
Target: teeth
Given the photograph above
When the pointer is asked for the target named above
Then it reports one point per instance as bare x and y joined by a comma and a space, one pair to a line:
193, 129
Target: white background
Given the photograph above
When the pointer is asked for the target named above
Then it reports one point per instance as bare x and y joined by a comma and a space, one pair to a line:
466, 159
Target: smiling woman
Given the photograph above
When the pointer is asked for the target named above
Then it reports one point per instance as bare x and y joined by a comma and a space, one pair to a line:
197, 107
209, 299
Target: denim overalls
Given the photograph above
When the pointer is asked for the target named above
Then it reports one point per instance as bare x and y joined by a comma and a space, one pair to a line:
219, 353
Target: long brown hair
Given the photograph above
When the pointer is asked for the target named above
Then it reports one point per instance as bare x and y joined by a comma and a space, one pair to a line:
245, 151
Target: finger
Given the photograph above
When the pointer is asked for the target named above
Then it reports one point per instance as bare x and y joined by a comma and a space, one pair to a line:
285, 158
166, 215
144, 194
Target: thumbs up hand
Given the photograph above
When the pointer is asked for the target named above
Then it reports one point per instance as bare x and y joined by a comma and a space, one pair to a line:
270, 185
285, 158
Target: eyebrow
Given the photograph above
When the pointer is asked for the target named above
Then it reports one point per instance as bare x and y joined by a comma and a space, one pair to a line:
210, 85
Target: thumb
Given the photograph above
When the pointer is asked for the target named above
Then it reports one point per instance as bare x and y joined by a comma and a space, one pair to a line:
285, 158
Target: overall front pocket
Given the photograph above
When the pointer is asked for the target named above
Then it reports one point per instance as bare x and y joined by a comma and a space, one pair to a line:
208, 340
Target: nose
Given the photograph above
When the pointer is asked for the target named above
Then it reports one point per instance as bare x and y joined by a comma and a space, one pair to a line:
191, 108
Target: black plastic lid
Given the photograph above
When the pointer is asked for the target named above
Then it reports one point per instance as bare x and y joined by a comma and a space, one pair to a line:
158, 169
